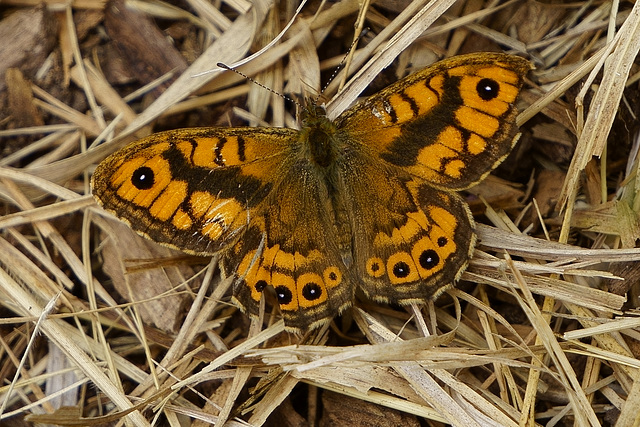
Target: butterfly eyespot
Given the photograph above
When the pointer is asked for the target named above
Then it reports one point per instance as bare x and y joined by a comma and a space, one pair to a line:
429, 259
375, 267
284, 295
332, 276
442, 241
260, 285
143, 178
401, 269
312, 291
488, 89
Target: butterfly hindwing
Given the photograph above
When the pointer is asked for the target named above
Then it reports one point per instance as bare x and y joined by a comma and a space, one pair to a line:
294, 246
420, 240
420, 257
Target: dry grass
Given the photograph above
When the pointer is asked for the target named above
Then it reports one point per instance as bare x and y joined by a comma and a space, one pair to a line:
543, 330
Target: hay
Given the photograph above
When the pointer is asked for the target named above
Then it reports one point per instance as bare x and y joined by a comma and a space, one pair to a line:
542, 330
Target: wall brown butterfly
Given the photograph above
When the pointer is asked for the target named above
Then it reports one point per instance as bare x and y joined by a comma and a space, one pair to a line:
368, 200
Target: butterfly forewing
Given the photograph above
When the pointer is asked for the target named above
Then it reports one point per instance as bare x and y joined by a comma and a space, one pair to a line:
191, 189
449, 124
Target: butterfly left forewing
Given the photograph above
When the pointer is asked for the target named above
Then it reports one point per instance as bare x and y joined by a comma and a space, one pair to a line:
191, 189
449, 124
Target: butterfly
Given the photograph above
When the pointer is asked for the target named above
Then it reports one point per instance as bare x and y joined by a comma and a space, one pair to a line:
369, 200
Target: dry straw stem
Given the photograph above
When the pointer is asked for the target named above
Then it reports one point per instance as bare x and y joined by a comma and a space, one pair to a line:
617, 58
540, 338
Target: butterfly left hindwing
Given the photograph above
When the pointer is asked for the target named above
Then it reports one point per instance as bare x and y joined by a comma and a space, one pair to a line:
368, 200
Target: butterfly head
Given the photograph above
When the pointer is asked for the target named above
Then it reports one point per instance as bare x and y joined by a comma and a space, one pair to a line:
312, 114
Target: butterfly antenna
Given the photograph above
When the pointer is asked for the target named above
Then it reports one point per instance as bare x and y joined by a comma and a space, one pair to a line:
342, 62
252, 80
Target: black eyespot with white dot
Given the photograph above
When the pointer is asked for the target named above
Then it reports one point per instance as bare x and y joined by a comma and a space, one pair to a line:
401, 269
429, 259
311, 291
143, 178
284, 295
442, 241
488, 89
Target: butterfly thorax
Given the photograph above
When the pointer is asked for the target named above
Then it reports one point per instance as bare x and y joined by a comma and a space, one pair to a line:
318, 135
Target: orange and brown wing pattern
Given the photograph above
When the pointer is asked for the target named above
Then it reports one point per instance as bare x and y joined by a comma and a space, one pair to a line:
312, 285
449, 124
411, 240
413, 144
295, 246
366, 200
192, 189
420, 257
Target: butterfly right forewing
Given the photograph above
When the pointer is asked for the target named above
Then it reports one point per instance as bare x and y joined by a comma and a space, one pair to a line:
450, 124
